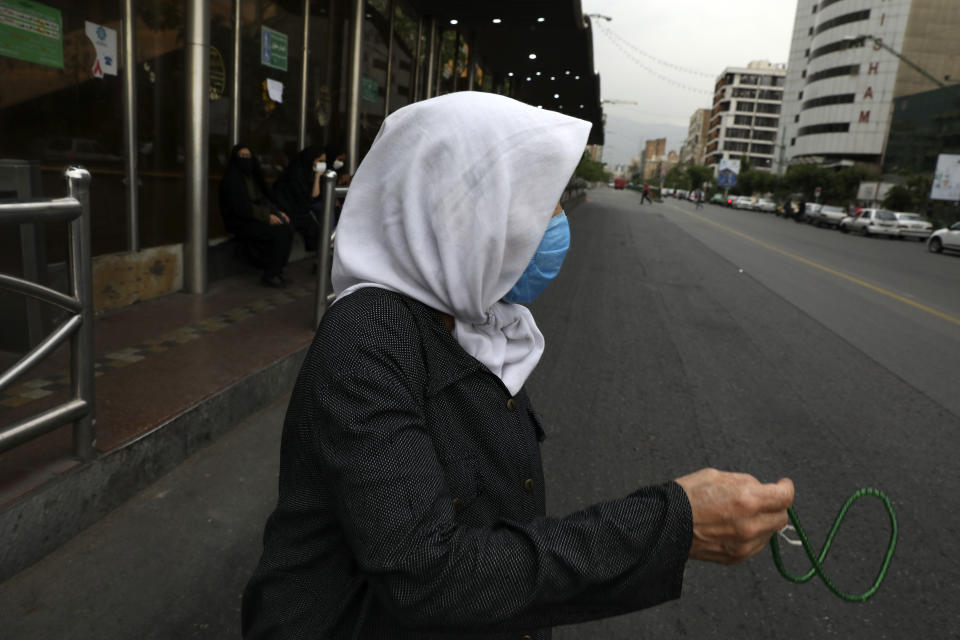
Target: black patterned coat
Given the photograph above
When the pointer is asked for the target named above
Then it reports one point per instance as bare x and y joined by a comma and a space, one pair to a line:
412, 501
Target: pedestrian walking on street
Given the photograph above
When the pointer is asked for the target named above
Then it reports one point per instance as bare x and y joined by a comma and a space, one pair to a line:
646, 194
699, 199
412, 500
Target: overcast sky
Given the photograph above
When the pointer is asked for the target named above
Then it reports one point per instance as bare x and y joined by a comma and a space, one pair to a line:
701, 35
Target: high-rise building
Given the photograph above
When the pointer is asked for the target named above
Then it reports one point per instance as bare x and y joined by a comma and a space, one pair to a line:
848, 62
746, 114
653, 156
696, 143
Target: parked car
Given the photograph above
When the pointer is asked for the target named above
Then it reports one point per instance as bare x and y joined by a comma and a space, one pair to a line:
872, 222
828, 216
743, 202
913, 225
947, 238
767, 206
718, 198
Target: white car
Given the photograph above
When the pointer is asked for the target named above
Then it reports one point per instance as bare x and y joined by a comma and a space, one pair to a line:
828, 215
767, 206
913, 225
948, 238
743, 202
872, 222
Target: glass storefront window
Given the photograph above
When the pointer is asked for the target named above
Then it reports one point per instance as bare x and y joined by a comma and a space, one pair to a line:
327, 73
271, 58
406, 30
58, 108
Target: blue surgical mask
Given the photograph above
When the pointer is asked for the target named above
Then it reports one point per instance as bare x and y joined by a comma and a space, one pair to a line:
546, 262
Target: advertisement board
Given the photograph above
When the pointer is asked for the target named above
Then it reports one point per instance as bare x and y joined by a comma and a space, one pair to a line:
946, 180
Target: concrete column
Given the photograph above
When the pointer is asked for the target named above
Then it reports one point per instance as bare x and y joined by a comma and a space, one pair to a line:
196, 143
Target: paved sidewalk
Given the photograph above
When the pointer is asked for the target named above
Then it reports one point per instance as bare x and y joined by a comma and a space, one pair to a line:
172, 374
171, 562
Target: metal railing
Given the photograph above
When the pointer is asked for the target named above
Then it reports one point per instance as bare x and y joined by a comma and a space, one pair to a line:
330, 192
78, 327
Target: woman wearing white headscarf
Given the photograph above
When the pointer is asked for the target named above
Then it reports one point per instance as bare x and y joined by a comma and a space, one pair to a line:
411, 491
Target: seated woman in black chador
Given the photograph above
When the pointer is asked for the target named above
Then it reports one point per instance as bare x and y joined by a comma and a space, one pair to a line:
253, 216
298, 191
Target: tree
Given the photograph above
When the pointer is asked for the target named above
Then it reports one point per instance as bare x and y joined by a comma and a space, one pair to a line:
591, 170
677, 178
699, 174
898, 198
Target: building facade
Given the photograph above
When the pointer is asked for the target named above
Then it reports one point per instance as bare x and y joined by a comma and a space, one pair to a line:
150, 96
695, 145
846, 70
746, 114
652, 157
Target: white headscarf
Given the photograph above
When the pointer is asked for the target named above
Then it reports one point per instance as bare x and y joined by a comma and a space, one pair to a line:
448, 208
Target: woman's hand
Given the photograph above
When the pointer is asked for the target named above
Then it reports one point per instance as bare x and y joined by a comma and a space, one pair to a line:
274, 220
734, 514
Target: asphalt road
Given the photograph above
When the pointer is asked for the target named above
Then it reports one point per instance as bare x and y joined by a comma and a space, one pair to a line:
676, 339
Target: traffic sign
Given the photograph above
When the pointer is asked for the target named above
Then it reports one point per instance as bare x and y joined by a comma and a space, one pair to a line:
727, 178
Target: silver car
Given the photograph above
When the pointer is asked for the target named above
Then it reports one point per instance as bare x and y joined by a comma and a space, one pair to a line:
870, 222
913, 225
828, 215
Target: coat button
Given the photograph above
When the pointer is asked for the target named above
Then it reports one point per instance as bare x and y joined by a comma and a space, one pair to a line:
511, 405
528, 484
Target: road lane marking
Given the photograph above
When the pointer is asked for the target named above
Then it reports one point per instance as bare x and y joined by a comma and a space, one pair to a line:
831, 271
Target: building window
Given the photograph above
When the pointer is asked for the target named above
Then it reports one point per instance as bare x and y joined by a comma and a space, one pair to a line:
832, 127
834, 72
744, 93
833, 47
749, 78
768, 108
744, 120
796, 118
769, 136
745, 106
793, 142
735, 146
803, 74
845, 98
771, 95
800, 96
827, 3
768, 122
846, 18
738, 133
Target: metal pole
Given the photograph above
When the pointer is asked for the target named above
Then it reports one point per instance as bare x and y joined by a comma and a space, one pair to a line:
131, 174
196, 144
414, 94
302, 131
472, 69
323, 247
386, 94
81, 285
456, 59
431, 61
353, 95
235, 79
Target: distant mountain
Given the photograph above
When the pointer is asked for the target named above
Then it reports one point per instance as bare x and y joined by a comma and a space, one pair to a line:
625, 138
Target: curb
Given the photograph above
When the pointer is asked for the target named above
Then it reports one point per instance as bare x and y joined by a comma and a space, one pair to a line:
46, 518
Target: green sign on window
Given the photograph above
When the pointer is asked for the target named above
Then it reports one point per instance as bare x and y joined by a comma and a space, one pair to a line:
369, 89
31, 31
273, 48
